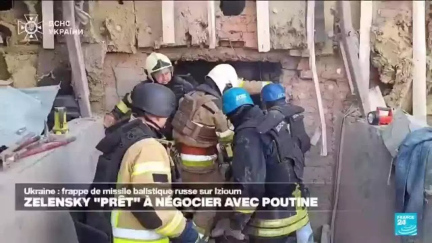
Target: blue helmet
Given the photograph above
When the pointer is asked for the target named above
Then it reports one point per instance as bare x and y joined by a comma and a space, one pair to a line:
272, 92
234, 98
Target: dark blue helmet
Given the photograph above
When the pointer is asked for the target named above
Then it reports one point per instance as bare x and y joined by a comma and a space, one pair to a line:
272, 92
234, 98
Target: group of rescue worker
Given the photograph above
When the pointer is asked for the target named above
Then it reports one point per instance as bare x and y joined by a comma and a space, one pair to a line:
213, 123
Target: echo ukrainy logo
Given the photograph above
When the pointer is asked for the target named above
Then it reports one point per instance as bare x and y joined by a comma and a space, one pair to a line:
32, 27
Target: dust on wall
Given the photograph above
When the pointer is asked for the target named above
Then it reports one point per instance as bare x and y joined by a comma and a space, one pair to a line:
287, 24
94, 57
119, 24
22, 68
392, 48
114, 23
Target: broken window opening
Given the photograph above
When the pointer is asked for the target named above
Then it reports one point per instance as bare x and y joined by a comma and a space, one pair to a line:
232, 8
5, 35
6, 5
249, 71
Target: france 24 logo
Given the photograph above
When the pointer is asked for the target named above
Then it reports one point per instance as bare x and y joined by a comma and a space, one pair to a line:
406, 224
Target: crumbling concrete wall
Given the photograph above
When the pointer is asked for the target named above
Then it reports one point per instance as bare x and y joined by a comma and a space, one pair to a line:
392, 48
121, 24
288, 24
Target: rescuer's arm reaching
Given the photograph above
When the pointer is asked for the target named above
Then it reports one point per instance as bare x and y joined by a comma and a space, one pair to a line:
120, 112
253, 87
248, 166
153, 166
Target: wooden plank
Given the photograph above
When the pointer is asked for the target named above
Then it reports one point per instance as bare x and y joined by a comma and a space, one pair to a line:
349, 41
168, 32
48, 17
211, 24
364, 48
76, 59
311, 46
347, 71
419, 61
263, 26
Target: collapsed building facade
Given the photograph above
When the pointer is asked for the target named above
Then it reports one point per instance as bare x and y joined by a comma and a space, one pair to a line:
117, 36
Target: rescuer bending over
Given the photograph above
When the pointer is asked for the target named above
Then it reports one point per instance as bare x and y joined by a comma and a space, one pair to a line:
264, 153
199, 126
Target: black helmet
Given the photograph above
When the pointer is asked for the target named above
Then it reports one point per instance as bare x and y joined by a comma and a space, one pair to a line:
153, 99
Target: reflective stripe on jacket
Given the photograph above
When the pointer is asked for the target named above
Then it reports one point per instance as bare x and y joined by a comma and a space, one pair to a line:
196, 159
146, 162
124, 235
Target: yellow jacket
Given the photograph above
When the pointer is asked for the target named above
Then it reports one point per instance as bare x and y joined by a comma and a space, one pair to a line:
147, 162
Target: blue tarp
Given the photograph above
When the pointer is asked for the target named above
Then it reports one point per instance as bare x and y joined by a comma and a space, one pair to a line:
24, 108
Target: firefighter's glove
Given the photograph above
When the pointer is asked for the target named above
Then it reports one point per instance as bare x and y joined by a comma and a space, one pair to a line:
227, 151
224, 229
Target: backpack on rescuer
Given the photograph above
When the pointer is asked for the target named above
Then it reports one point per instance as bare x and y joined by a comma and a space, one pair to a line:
185, 114
276, 126
95, 227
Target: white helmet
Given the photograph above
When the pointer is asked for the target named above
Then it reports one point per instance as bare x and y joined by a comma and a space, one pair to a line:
223, 75
156, 62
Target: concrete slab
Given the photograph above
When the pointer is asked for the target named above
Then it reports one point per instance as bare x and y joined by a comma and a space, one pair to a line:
366, 203
74, 163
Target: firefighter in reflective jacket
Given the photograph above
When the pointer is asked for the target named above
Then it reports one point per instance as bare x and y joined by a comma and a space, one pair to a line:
274, 98
264, 153
147, 161
199, 126
158, 69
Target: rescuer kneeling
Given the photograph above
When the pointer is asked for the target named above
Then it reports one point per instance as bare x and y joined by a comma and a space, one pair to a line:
264, 153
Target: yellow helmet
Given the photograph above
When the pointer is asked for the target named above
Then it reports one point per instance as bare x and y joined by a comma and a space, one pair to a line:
156, 62
223, 75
